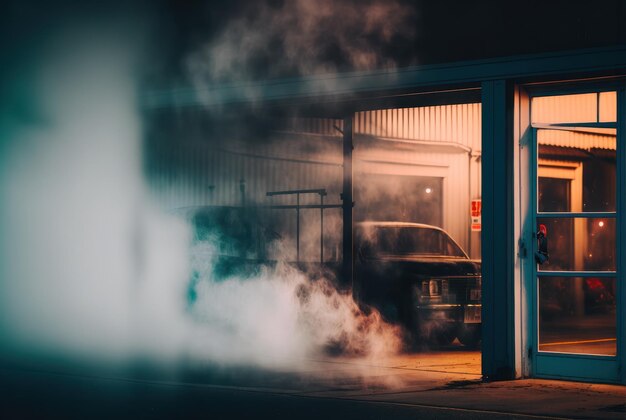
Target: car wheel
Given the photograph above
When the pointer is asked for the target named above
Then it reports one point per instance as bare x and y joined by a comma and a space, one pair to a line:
470, 335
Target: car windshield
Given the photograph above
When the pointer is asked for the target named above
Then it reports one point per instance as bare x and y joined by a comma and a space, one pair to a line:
410, 241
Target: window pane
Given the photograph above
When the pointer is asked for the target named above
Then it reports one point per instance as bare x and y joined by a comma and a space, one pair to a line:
565, 108
579, 244
608, 106
586, 107
576, 170
554, 194
577, 315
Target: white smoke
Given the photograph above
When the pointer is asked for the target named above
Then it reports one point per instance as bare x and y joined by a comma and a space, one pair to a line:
281, 317
71, 190
92, 270
302, 37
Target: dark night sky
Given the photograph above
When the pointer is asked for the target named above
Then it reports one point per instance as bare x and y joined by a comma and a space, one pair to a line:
445, 30
434, 31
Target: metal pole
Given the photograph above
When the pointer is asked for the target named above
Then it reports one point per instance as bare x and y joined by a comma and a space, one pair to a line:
347, 204
297, 207
298, 228
322, 228
242, 190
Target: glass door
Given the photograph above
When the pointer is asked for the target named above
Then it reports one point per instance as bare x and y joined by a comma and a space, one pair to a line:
575, 222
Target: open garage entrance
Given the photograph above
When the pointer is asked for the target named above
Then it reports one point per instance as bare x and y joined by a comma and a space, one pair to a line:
277, 184
417, 243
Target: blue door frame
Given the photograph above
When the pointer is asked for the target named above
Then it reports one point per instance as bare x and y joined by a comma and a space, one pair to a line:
572, 366
498, 326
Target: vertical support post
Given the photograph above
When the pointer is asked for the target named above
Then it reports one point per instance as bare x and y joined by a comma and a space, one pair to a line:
242, 191
621, 230
498, 249
322, 228
298, 227
347, 204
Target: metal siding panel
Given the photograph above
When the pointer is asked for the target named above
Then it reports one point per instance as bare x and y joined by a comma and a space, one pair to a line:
464, 121
384, 123
428, 123
458, 123
187, 168
436, 125
446, 123
396, 121
405, 122
584, 141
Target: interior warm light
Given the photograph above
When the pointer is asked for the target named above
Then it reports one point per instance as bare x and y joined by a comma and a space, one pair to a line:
428, 190
601, 223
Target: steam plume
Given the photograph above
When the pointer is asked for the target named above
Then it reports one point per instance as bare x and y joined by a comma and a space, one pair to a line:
281, 317
303, 37
92, 269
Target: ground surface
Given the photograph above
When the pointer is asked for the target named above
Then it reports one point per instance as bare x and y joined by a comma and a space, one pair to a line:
422, 386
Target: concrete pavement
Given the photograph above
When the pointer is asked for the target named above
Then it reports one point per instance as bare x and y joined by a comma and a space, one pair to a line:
453, 380
423, 385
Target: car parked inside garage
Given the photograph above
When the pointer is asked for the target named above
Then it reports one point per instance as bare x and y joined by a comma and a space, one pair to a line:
416, 275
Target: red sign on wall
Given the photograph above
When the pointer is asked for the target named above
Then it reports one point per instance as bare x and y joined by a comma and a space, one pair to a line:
476, 214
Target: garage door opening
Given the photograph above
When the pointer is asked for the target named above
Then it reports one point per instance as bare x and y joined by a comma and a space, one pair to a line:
417, 192
266, 191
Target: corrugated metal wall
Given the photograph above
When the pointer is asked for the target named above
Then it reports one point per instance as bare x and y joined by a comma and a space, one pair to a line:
451, 165
459, 124
435, 141
577, 139
187, 168
202, 173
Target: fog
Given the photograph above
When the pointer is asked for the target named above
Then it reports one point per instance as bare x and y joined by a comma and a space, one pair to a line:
279, 317
270, 39
94, 271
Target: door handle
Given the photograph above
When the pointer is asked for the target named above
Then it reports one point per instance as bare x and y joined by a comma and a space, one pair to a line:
541, 255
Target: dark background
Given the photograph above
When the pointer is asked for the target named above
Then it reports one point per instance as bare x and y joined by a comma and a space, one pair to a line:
444, 30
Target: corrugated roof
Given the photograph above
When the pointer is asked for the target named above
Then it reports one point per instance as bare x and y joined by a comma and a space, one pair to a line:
576, 139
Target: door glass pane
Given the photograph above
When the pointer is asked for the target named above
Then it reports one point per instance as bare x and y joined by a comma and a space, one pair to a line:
564, 108
577, 315
554, 194
577, 108
576, 170
608, 106
579, 244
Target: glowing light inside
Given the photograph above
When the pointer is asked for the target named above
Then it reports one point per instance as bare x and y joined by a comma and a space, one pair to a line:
428, 190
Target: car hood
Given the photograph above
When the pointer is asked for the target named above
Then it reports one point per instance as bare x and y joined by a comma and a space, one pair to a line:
428, 265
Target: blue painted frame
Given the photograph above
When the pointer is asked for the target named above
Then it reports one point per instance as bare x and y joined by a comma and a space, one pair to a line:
577, 366
344, 86
498, 326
